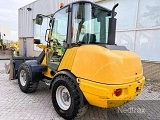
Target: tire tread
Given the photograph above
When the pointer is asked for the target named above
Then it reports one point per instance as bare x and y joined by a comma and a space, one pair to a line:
30, 85
79, 109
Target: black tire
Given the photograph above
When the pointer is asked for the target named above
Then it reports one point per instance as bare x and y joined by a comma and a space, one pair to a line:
77, 106
26, 84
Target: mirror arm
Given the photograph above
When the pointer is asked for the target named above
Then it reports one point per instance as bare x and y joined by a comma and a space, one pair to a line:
44, 16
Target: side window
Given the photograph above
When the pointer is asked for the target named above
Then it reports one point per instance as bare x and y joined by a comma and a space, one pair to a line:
59, 35
92, 26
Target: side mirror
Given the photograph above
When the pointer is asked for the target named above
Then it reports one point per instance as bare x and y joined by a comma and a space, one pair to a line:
37, 41
39, 19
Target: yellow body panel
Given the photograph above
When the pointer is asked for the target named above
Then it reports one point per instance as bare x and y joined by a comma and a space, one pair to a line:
42, 46
101, 95
47, 73
102, 65
68, 59
66, 62
44, 62
100, 71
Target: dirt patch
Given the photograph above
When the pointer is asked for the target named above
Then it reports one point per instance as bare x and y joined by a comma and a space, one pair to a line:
152, 85
5, 54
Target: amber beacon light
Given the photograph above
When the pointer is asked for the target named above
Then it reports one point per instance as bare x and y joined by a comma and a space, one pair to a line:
61, 5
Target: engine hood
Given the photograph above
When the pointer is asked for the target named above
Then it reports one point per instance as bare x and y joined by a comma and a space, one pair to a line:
108, 64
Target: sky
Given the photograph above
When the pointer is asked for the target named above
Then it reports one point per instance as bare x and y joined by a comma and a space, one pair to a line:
9, 14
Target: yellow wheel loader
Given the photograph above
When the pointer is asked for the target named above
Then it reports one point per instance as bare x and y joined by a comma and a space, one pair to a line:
2, 45
14, 48
81, 62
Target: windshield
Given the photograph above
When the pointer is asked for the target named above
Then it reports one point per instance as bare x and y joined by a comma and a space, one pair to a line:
89, 23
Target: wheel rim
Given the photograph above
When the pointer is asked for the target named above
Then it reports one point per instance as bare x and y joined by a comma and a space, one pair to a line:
23, 78
63, 97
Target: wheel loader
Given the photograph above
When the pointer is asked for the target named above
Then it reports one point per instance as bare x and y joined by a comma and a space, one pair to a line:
14, 48
2, 45
81, 62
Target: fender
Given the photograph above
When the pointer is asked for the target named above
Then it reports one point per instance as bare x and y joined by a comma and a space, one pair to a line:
36, 69
67, 73
15, 63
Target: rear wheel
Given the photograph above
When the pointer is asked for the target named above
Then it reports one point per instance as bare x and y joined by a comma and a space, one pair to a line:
67, 100
63, 97
25, 79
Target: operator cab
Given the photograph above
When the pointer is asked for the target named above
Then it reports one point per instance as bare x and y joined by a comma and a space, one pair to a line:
90, 23
79, 23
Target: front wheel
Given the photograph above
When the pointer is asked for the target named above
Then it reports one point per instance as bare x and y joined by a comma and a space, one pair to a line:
25, 79
67, 99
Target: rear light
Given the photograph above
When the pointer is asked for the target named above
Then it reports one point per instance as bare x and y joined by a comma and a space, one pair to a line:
118, 92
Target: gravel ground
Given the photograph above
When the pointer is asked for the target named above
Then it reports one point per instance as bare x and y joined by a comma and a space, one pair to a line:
5, 54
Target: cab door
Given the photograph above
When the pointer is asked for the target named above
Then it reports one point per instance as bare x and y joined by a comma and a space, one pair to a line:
56, 47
